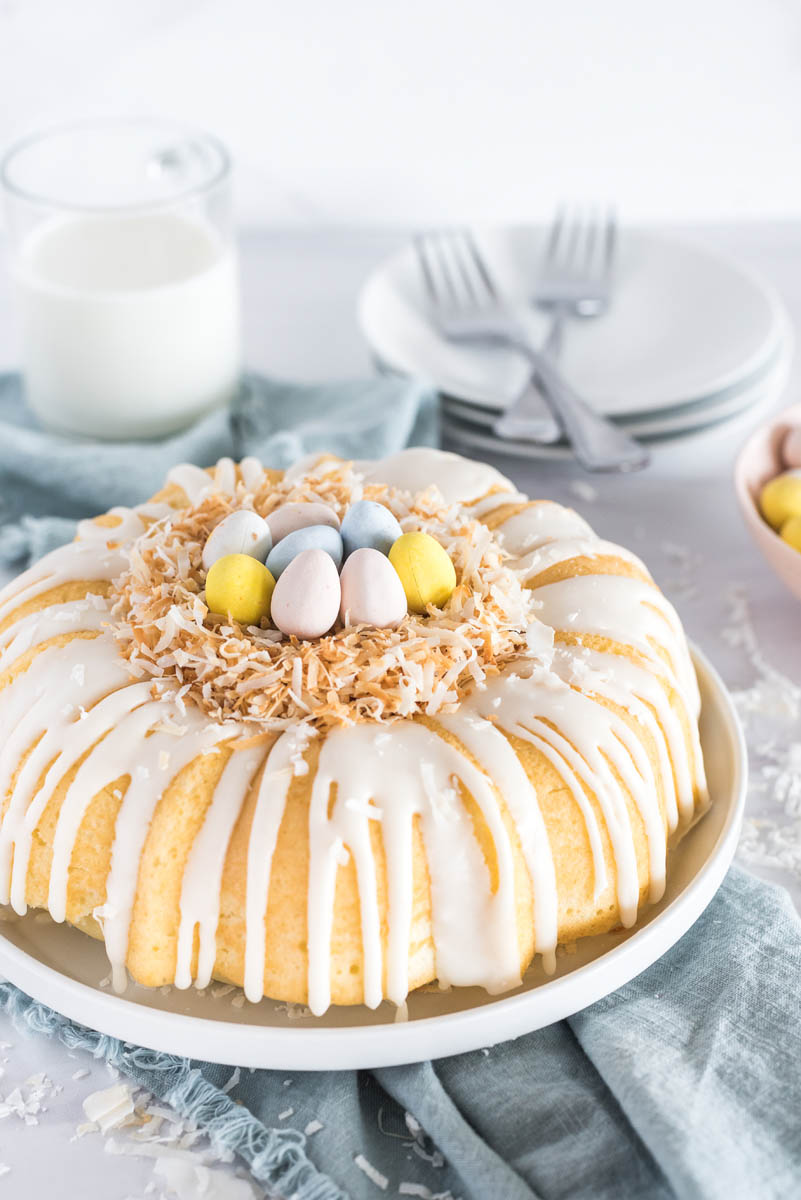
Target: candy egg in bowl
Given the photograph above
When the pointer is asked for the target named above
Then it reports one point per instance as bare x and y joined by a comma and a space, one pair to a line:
772, 450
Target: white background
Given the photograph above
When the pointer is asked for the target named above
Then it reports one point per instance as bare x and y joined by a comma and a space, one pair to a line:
404, 111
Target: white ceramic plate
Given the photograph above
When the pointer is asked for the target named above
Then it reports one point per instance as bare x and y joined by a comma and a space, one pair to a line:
684, 324
705, 410
460, 426
63, 968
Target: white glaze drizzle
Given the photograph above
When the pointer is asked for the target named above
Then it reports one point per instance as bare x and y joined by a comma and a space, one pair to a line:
459, 480
538, 523
381, 776
41, 625
407, 773
629, 685
200, 891
489, 747
40, 719
561, 550
193, 481
75, 741
148, 783
267, 816
99, 769
628, 611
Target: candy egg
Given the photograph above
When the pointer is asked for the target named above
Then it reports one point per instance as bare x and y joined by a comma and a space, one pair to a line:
290, 517
425, 570
791, 447
780, 498
791, 532
240, 587
367, 524
372, 593
241, 532
313, 537
307, 596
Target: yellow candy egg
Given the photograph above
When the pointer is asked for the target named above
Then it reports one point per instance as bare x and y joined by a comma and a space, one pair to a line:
240, 587
780, 498
791, 532
425, 570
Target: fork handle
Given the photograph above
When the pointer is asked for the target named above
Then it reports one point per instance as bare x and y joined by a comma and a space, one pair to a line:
530, 418
526, 419
597, 443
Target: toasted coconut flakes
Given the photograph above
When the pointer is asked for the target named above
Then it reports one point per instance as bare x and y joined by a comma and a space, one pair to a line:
425, 665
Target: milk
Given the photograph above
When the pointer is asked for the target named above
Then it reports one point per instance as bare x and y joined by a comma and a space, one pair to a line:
130, 324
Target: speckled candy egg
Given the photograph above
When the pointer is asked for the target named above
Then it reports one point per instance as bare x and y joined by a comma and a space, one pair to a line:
307, 596
313, 537
241, 532
289, 517
372, 593
240, 587
425, 570
368, 524
780, 498
791, 447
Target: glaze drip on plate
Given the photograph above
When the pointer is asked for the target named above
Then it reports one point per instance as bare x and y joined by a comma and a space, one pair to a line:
349, 861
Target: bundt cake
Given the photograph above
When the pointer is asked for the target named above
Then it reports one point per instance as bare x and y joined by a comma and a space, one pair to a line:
344, 818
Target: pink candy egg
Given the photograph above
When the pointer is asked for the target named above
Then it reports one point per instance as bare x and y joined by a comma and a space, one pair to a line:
372, 593
306, 599
290, 517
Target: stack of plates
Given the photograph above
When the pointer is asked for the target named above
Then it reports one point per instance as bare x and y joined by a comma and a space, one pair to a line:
691, 340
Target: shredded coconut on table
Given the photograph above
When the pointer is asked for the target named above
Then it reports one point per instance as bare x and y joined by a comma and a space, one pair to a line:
255, 674
232, 1082
185, 1162
371, 1172
424, 1193
770, 710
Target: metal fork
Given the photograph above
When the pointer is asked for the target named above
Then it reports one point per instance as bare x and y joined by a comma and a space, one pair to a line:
575, 279
466, 305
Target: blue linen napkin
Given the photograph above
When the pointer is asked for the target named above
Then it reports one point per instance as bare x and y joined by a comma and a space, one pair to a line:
49, 481
685, 1083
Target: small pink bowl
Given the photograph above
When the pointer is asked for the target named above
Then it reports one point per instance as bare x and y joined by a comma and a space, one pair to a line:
758, 461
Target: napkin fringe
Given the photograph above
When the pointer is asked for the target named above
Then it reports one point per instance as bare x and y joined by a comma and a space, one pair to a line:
275, 1157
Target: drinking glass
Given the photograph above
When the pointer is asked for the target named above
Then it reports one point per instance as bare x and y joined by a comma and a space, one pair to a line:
125, 275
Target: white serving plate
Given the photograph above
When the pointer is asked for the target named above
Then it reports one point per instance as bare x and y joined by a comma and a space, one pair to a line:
459, 429
685, 323
769, 379
63, 968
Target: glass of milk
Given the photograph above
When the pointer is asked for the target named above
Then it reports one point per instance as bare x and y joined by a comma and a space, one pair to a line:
125, 274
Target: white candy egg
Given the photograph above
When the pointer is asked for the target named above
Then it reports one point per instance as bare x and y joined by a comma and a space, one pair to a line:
290, 517
307, 596
791, 447
241, 532
372, 593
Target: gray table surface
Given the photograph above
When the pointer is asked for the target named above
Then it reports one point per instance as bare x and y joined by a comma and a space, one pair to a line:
680, 515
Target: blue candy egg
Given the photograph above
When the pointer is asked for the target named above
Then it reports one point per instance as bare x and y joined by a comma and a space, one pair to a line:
369, 526
311, 537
